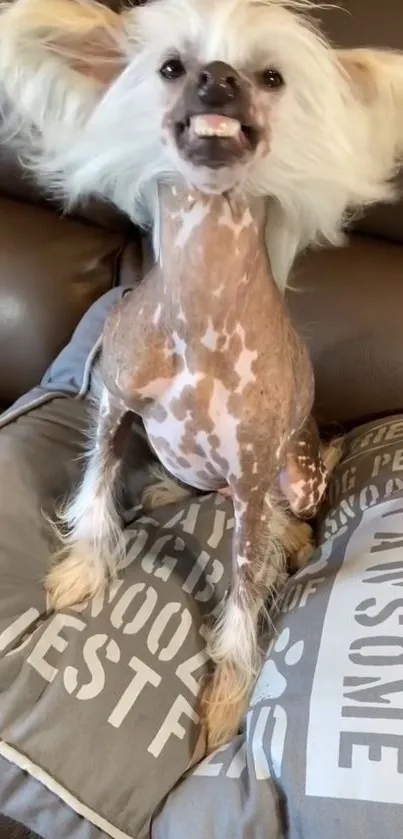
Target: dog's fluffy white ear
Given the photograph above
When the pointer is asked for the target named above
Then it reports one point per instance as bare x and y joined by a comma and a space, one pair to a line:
375, 80
56, 58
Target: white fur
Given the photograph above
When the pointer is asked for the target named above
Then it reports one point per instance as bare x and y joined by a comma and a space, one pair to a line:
91, 516
234, 638
337, 127
90, 532
45, 99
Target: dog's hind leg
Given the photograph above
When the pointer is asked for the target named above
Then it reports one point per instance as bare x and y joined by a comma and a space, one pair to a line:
308, 467
90, 528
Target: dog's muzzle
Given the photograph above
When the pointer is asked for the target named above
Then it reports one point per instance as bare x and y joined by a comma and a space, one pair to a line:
214, 127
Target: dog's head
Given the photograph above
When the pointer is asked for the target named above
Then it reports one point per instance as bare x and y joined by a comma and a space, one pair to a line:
218, 119
216, 116
223, 91
227, 91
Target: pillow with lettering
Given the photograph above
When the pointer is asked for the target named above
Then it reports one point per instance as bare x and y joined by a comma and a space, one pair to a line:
98, 709
321, 756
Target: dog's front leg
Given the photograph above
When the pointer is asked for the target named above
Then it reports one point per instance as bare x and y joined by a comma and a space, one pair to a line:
259, 568
90, 528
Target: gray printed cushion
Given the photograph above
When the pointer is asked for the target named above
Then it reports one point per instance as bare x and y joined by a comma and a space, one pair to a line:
322, 752
98, 708
99, 705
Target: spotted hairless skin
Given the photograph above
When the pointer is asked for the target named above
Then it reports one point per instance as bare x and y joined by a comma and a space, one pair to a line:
205, 352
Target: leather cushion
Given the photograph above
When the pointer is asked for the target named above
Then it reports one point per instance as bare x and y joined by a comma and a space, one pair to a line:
348, 306
51, 270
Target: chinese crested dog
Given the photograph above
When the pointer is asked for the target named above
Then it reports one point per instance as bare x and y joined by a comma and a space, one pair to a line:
221, 125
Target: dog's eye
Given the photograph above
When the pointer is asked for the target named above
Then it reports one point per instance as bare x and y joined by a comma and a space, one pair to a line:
172, 69
271, 78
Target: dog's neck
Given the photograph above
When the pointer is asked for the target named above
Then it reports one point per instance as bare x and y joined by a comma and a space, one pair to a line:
210, 241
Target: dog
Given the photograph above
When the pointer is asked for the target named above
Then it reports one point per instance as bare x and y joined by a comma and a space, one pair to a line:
204, 351
233, 95
83, 98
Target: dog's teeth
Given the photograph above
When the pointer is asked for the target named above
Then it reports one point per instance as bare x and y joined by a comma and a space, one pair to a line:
214, 125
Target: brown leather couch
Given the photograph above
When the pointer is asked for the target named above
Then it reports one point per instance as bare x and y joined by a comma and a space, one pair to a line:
348, 303
52, 269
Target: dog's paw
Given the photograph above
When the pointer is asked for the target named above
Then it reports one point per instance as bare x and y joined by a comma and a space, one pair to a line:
332, 453
163, 491
300, 545
224, 703
76, 578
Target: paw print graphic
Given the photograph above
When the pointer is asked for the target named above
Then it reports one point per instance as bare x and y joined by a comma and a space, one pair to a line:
280, 658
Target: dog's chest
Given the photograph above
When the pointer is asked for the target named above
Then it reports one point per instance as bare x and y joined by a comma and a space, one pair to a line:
223, 389
193, 431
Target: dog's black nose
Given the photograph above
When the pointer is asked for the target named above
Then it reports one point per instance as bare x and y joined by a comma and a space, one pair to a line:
218, 84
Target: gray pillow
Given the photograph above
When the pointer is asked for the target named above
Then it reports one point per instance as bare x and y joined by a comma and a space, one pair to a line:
322, 752
99, 705
98, 711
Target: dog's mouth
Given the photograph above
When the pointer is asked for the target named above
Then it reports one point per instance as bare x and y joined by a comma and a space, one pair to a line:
215, 140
